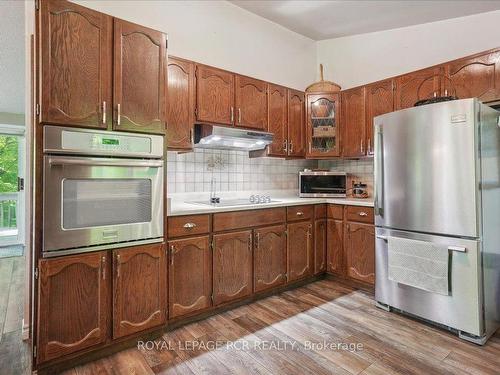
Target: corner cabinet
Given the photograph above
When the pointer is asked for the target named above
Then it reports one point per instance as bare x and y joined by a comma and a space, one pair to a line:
323, 125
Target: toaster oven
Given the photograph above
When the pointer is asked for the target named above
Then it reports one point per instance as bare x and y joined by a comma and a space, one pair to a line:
322, 184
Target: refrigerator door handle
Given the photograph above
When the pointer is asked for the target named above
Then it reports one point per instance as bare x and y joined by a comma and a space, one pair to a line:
379, 172
382, 237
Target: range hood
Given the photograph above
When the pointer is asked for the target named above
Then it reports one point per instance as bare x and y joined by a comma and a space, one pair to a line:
226, 138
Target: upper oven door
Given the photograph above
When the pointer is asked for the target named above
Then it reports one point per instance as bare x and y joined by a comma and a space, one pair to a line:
96, 201
322, 184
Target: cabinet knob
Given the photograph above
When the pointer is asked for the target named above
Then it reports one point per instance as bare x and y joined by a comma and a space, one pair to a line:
363, 213
300, 213
189, 225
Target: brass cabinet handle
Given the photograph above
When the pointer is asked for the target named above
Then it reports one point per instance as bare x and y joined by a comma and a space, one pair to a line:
172, 251
191, 136
118, 117
369, 146
363, 213
362, 146
257, 240
239, 115
189, 225
232, 114
250, 242
310, 147
299, 213
103, 267
290, 145
118, 265
104, 112
285, 146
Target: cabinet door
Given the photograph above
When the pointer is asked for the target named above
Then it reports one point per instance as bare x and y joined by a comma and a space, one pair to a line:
75, 65
319, 246
412, 87
360, 251
296, 127
269, 257
180, 104
299, 245
277, 120
140, 64
379, 100
139, 289
335, 246
214, 95
476, 77
190, 275
73, 304
322, 124
250, 103
353, 123
232, 266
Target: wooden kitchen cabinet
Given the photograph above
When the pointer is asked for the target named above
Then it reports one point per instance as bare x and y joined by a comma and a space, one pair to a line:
214, 95
139, 79
335, 247
415, 86
322, 125
139, 289
299, 250
359, 247
180, 104
354, 122
72, 304
277, 120
379, 100
190, 276
320, 241
250, 99
296, 126
75, 65
232, 266
269, 257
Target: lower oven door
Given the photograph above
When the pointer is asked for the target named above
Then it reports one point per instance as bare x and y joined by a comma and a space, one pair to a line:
461, 309
98, 201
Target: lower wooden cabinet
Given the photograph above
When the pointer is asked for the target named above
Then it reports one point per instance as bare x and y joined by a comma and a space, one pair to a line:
299, 254
335, 247
139, 289
320, 246
232, 266
190, 276
269, 257
359, 247
73, 304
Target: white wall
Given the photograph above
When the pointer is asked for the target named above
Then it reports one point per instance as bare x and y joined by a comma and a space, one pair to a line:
360, 59
221, 34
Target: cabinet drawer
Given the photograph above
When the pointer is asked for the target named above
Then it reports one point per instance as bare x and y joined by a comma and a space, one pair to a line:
335, 211
246, 219
361, 214
188, 225
299, 212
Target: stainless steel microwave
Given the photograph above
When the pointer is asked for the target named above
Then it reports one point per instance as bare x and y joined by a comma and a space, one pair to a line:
321, 184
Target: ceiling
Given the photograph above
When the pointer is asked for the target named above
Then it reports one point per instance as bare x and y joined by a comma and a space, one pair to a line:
327, 19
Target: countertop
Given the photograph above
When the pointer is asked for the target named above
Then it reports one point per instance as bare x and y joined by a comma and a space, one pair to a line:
178, 204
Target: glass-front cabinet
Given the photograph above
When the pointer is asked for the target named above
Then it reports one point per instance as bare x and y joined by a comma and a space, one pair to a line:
323, 133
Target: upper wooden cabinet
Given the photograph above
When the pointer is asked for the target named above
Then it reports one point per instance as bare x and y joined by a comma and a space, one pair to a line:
379, 100
300, 256
139, 78
296, 126
76, 65
180, 103
415, 86
277, 120
139, 289
269, 257
359, 242
322, 125
475, 77
250, 103
214, 95
354, 122
73, 304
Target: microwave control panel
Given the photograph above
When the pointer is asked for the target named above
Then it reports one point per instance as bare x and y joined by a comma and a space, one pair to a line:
104, 142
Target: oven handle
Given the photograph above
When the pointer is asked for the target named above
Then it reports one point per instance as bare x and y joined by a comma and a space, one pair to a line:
109, 162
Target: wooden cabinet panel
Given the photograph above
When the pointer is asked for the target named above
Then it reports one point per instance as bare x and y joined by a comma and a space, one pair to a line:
190, 276
379, 100
232, 266
299, 245
139, 289
188, 225
320, 211
323, 125
415, 86
359, 213
180, 103
319, 246
475, 77
360, 251
247, 219
353, 122
139, 83
277, 120
214, 95
304, 212
250, 103
73, 304
335, 247
335, 211
75, 65
296, 124
269, 257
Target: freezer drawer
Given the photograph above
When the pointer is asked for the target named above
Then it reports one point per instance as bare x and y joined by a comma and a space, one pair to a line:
461, 309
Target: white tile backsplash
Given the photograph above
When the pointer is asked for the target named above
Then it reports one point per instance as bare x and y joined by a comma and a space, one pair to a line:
360, 170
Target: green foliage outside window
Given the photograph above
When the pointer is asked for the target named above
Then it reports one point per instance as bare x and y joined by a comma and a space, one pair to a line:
8, 179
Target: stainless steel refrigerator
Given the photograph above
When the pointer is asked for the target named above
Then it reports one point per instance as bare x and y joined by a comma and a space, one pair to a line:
437, 184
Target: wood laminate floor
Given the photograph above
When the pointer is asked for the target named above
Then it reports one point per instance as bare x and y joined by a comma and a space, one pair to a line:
277, 335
